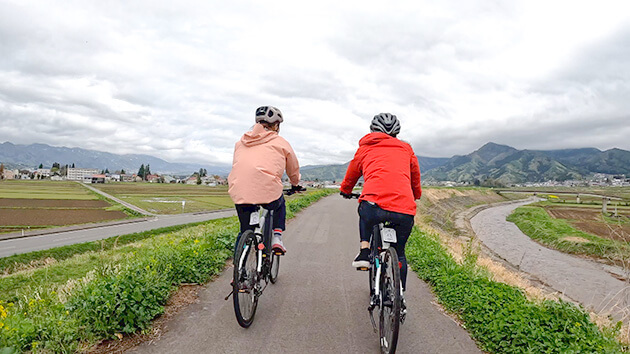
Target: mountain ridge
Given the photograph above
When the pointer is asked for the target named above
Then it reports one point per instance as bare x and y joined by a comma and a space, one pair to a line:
31, 156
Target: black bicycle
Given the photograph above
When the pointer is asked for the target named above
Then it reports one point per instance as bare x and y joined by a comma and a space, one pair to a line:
255, 265
385, 285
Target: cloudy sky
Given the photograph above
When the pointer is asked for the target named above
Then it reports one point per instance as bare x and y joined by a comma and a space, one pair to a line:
181, 82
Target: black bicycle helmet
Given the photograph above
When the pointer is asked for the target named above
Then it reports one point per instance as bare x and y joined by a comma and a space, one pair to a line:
268, 114
385, 123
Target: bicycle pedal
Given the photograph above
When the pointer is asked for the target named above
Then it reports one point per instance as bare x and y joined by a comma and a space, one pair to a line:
363, 269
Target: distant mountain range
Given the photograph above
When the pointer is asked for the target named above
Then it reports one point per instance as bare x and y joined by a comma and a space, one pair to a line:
500, 163
31, 156
506, 165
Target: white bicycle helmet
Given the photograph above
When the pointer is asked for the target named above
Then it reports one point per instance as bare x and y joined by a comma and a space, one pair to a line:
385, 123
268, 114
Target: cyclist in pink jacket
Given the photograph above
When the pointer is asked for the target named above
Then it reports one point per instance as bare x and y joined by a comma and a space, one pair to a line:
261, 157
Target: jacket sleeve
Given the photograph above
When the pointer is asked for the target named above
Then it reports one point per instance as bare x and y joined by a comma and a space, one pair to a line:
293, 166
353, 173
415, 177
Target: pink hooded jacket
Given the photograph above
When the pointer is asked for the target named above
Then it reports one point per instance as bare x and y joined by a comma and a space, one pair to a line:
260, 159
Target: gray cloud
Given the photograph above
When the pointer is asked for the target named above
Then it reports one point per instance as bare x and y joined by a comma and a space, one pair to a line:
182, 82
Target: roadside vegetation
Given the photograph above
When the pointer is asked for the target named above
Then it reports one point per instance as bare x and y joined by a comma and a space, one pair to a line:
503, 312
499, 316
92, 295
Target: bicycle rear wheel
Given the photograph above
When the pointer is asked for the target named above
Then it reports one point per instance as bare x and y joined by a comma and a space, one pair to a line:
245, 279
389, 311
274, 268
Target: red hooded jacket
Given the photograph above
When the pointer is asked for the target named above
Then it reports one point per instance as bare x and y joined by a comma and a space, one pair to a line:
391, 172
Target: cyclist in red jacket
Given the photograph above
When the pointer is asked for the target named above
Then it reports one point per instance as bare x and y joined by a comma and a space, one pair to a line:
391, 172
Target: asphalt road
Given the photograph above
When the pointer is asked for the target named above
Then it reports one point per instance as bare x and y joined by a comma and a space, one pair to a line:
590, 283
318, 305
54, 239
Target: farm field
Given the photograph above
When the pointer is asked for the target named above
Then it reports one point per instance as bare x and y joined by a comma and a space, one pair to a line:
44, 204
164, 198
578, 228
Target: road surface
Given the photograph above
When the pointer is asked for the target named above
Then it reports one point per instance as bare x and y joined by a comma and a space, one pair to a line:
10, 247
318, 305
592, 284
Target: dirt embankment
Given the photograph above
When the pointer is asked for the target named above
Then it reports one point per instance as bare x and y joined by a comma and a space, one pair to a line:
439, 208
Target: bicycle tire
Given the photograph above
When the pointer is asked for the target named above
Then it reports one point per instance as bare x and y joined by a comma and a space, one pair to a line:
389, 311
245, 279
274, 268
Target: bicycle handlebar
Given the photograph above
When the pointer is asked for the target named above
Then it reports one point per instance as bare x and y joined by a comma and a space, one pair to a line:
351, 195
291, 191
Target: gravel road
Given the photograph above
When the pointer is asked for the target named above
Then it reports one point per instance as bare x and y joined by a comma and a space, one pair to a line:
319, 304
594, 285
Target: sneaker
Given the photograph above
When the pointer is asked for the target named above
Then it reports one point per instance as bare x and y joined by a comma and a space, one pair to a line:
277, 246
363, 259
403, 310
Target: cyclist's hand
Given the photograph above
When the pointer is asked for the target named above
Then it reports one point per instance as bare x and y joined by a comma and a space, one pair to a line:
297, 189
346, 195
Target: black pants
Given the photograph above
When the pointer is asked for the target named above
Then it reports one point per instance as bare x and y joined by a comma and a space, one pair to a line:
278, 206
372, 215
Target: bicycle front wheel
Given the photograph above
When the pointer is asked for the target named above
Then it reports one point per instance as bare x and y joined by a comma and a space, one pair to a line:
274, 268
389, 316
245, 279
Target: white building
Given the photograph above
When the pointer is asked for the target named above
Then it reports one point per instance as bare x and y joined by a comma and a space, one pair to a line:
77, 174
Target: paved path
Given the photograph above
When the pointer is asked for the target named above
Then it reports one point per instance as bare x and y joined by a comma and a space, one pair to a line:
587, 282
56, 238
319, 304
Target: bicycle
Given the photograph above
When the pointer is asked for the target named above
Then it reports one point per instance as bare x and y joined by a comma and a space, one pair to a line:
254, 263
385, 285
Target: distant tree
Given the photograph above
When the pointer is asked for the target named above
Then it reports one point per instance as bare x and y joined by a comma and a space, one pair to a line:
147, 171
1, 171
141, 172
107, 170
73, 165
55, 164
122, 172
198, 179
41, 166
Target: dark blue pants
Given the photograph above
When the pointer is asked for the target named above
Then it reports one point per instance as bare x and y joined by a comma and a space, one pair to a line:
279, 214
372, 215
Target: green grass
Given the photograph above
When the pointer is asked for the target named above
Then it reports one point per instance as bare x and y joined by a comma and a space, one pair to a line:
165, 198
539, 225
498, 316
91, 295
19, 189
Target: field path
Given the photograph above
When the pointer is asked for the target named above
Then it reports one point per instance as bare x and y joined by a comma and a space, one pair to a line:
119, 201
319, 304
592, 284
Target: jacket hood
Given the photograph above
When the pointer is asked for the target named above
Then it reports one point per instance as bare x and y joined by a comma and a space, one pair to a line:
258, 135
375, 138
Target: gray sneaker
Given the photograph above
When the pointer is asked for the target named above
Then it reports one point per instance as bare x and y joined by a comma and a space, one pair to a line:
277, 246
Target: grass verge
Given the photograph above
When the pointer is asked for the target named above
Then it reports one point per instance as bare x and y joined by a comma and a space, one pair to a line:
536, 223
124, 290
500, 317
